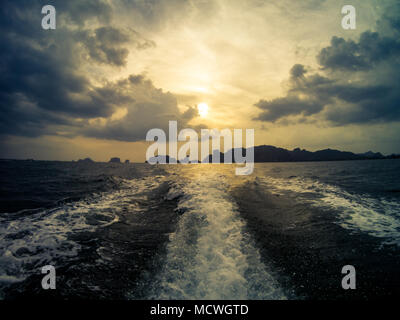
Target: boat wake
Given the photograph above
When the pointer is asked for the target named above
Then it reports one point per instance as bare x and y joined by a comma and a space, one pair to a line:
211, 255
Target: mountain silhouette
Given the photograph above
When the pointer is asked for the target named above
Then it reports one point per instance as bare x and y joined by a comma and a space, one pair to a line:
267, 153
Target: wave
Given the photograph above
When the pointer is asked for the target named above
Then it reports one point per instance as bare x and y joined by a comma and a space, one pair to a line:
379, 217
30, 241
211, 256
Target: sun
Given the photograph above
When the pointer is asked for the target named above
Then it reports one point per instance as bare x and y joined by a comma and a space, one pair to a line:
203, 109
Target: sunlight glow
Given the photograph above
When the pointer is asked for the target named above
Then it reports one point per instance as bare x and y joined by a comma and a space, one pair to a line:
203, 109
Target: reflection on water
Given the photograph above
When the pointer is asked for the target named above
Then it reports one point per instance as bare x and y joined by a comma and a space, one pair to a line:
211, 255
200, 231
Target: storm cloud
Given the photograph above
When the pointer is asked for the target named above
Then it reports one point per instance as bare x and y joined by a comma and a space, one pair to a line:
150, 108
107, 69
358, 82
365, 54
44, 90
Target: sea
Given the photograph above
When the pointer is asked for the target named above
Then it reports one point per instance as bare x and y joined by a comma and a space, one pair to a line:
198, 231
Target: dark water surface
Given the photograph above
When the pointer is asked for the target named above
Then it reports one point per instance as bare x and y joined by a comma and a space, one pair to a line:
135, 231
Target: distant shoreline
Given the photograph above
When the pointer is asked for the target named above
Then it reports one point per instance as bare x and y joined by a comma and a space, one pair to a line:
294, 161
263, 153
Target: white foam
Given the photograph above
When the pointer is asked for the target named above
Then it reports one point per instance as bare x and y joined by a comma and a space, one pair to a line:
28, 242
210, 256
378, 217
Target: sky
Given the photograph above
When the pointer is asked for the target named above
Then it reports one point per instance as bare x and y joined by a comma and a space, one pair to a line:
113, 70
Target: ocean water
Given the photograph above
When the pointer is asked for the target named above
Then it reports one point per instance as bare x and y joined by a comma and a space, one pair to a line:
135, 231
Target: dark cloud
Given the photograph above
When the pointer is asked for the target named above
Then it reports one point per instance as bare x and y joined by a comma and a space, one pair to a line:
105, 45
43, 89
349, 55
359, 82
289, 105
190, 113
304, 96
298, 71
152, 108
136, 79
335, 100
44, 78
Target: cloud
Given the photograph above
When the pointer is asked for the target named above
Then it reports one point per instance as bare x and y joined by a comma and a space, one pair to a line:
151, 108
358, 82
157, 14
81, 12
105, 45
44, 88
303, 98
371, 49
289, 105
297, 71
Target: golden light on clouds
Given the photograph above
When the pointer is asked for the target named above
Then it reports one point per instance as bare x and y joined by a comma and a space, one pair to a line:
205, 63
